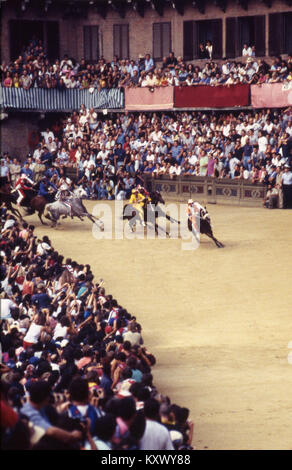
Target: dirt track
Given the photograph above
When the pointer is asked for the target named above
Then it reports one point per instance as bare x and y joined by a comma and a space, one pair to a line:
218, 320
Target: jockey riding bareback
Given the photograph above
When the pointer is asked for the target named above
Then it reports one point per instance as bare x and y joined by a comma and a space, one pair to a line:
63, 194
21, 186
196, 212
138, 197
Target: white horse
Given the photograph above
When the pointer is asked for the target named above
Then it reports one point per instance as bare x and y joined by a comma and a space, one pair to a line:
73, 207
80, 192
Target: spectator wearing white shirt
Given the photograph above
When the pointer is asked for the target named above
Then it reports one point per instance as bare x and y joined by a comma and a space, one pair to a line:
156, 436
245, 51
289, 128
46, 134
262, 143
103, 153
149, 64
226, 68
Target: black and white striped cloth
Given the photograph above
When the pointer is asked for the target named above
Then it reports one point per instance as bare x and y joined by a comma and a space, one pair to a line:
41, 99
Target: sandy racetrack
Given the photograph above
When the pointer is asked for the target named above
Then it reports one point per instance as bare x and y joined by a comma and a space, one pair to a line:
218, 320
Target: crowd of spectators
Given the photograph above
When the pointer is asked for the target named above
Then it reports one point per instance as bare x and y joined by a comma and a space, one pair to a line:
111, 155
75, 370
33, 69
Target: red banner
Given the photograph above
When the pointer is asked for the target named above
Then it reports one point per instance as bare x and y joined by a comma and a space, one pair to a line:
271, 95
206, 96
148, 99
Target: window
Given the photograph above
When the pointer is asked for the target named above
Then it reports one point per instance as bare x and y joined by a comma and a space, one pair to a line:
199, 32
91, 43
280, 33
23, 31
161, 40
248, 30
121, 40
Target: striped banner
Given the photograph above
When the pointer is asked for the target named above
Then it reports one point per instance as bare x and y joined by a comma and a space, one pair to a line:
41, 99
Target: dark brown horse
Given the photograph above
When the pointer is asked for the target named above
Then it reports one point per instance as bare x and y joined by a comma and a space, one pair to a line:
205, 228
9, 199
32, 202
152, 211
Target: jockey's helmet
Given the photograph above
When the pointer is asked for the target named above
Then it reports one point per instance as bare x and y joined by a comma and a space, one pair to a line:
190, 201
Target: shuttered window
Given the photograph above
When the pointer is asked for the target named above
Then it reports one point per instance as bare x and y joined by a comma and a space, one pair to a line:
161, 40
197, 32
248, 30
91, 43
121, 41
280, 33
22, 31
52, 40
189, 40
231, 46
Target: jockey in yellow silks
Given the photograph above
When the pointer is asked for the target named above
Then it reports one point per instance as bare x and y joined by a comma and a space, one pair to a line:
137, 200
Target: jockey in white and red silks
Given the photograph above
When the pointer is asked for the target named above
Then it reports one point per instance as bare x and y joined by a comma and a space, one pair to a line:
196, 212
21, 186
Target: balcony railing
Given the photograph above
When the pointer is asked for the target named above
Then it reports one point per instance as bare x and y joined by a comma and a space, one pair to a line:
41, 99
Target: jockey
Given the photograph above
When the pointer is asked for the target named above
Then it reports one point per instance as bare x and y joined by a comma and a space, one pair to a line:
65, 182
137, 200
144, 192
44, 189
195, 211
62, 195
21, 186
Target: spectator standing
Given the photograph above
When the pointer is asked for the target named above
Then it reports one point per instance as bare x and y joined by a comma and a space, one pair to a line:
287, 187
156, 435
149, 65
209, 48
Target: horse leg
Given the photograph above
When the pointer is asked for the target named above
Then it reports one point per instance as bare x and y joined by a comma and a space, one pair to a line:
217, 243
94, 220
53, 218
17, 213
40, 217
14, 211
156, 226
171, 219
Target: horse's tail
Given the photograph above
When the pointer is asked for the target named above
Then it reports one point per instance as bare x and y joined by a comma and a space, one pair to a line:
123, 214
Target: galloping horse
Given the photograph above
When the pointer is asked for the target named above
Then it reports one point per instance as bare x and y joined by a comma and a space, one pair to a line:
130, 213
9, 199
73, 208
32, 202
205, 228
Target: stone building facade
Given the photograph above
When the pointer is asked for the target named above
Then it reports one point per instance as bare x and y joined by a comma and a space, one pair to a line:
127, 28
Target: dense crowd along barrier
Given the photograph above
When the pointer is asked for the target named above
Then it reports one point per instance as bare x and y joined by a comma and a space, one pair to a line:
275, 95
202, 189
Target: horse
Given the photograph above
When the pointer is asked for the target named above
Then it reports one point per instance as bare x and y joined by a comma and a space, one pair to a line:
80, 192
9, 199
130, 213
32, 202
205, 228
72, 207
